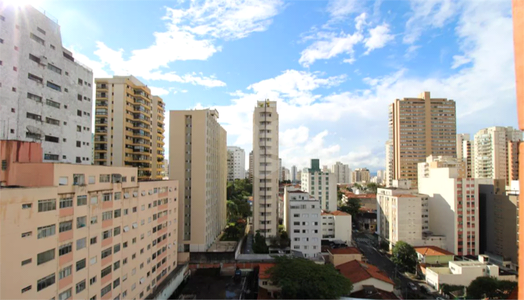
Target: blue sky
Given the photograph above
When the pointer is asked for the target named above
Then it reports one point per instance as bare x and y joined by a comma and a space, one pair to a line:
333, 66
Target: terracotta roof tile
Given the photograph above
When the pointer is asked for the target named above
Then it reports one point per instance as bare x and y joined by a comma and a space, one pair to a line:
334, 213
357, 272
262, 273
348, 250
432, 251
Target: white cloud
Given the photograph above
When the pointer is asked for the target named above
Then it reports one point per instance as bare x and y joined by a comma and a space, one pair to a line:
330, 47
378, 38
428, 14
193, 78
338, 9
158, 91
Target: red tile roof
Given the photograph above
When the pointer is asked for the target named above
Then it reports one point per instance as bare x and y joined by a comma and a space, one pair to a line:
348, 250
262, 273
379, 295
432, 251
335, 213
356, 271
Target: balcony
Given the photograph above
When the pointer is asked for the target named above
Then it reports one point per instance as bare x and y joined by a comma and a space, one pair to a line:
101, 95
100, 147
101, 131
99, 139
101, 104
143, 103
101, 86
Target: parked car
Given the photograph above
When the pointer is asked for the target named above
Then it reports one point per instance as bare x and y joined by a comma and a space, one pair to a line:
412, 286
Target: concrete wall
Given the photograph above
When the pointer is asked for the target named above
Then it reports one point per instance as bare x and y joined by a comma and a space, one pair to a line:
338, 259
379, 284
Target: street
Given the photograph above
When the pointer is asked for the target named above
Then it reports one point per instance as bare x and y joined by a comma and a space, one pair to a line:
381, 261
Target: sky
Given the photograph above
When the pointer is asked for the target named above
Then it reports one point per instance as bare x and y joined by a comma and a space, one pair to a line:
333, 66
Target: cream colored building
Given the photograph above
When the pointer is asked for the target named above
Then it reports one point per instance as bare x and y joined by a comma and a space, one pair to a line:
198, 160
453, 203
360, 175
491, 152
336, 225
321, 185
342, 172
129, 126
465, 153
82, 231
266, 168
419, 127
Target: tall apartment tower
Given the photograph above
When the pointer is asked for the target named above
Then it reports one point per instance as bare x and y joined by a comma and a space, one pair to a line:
237, 168
465, 152
361, 175
198, 160
420, 127
320, 185
251, 166
266, 167
129, 126
491, 152
293, 174
342, 172
388, 177
45, 95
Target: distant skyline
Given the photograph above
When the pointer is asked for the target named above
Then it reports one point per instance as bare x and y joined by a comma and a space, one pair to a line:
332, 66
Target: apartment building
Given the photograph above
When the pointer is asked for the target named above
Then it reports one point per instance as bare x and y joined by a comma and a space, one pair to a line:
294, 177
513, 161
236, 165
82, 231
198, 160
465, 152
390, 153
491, 152
251, 166
361, 175
336, 226
302, 221
45, 94
419, 127
320, 185
266, 168
342, 173
129, 126
453, 203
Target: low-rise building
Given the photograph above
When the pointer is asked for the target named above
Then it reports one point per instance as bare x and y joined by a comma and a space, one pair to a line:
340, 256
265, 285
432, 255
362, 274
464, 272
336, 225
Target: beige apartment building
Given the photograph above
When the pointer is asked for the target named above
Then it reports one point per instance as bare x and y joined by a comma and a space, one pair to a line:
465, 152
491, 153
82, 231
265, 168
513, 162
360, 175
198, 160
419, 127
129, 126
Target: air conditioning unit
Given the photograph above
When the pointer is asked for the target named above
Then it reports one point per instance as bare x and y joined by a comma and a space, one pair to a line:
135, 194
143, 193
150, 192
170, 189
126, 195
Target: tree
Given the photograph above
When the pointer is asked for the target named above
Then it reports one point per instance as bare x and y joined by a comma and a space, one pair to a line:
352, 207
372, 187
489, 287
284, 240
404, 256
259, 244
300, 278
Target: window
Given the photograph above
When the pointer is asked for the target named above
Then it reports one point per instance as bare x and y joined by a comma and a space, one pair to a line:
65, 249
116, 248
53, 86
65, 226
118, 195
106, 197
81, 222
66, 202
34, 97
116, 266
78, 144
94, 220
78, 113
107, 215
106, 234
45, 256
104, 178
45, 282
105, 253
91, 179
27, 261
65, 295
80, 286
117, 213
80, 264
81, 200
81, 243
54, 69
92, 280
53, 139
116, 231
105, 290
27, 288
65, 272
34, 116
37, 39
105, 272
94, 200
116, 283
46, 231
35, 78
40, 30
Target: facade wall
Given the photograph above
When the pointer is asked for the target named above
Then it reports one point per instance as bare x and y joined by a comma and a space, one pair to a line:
342, 173
135, 223
338, 259
322, 186
197, 159
237, 167
302, 223
420, 127
45, 94
360, 176
435, 259
336, 227
266, 168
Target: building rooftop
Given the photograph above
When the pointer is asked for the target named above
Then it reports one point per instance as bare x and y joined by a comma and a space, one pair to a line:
356, 271
335, 213
432, 251
262, 273
376, 294
348, 250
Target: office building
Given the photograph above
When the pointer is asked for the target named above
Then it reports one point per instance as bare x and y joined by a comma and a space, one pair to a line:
266, 168
491, 152
342, 173
465, 152
302, 221
251, 166
420, 127
236, 167
198, 160
82, 231
453, 203
403, 215
320, 185
361, 175
45, 94
129, 126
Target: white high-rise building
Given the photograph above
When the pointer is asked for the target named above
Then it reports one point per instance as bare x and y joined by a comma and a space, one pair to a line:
251, 166
320, 185
45, 95
237, 164
294, 177
302, 221
266, 167
342, 173
390, 167
491, 151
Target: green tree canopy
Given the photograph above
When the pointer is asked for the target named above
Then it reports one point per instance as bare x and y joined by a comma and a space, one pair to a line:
303, 279
490, 287
238, 192
259, 244
404, 256
372, 187
352, 207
